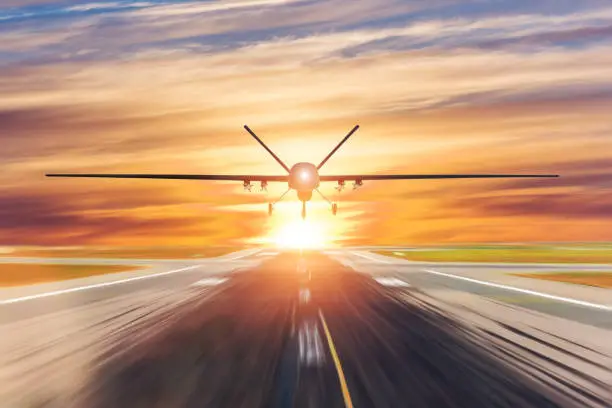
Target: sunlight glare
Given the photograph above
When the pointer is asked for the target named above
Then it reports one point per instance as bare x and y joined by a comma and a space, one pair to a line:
301, 234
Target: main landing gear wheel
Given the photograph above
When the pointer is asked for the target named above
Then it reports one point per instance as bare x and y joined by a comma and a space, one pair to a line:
334, 208
270, 208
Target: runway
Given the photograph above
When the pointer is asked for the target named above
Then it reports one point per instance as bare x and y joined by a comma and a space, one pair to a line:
322, 329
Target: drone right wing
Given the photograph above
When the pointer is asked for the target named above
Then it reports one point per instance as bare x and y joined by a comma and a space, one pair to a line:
221, 177
246, 178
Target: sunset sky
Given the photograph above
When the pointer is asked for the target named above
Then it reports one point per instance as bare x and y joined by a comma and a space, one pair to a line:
437, 86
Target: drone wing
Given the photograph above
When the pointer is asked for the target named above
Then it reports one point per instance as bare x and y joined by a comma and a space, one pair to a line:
245, 177
220, 177
362, 177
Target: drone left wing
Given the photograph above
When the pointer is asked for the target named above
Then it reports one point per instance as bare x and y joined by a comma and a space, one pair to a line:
220, 177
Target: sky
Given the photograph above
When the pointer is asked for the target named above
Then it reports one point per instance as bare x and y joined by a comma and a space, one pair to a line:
437, 86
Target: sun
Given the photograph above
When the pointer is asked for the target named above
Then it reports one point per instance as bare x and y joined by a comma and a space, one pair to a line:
301, 234
320, 230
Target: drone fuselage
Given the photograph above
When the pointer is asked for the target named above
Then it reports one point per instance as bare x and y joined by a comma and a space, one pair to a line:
304, 178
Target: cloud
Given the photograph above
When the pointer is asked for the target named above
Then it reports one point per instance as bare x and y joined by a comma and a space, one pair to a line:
594, 174
89, 216
595, 206
31, 219
570, 37
108, 6
26, 3
191, 8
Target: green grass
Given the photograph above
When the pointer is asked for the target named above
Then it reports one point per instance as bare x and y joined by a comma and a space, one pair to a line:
25, 274
510, 253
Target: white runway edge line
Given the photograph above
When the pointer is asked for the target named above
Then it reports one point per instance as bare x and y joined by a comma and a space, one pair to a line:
209, 282
94, 286
370, 258
607, 308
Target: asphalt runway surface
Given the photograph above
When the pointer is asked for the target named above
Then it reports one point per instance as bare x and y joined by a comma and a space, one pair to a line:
298, 330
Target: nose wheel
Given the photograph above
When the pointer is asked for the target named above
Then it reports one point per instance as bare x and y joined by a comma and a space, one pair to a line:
334, 208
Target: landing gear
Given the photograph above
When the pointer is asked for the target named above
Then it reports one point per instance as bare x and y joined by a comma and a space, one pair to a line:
334, 206
271, 205
303, 210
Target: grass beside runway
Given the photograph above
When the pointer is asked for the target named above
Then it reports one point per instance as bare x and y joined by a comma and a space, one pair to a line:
27, 274
597, 279
566, 253
156, 252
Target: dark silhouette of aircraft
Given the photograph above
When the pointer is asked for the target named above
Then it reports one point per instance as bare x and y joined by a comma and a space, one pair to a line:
304, 178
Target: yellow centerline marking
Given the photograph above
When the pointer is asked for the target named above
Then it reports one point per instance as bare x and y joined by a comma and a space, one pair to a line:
348, 403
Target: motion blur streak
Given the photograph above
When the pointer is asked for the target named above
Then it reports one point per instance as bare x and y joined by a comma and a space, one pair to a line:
301, 329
